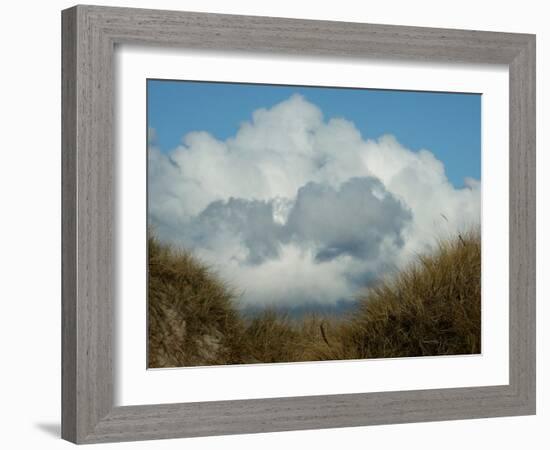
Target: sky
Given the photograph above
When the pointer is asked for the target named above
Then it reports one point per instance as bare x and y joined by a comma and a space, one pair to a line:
447, 124
301, 198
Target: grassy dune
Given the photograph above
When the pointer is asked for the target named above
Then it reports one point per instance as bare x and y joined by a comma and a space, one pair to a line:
433, 307
191, 317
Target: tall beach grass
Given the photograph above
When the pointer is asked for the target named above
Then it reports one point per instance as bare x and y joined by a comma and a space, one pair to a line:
432, 307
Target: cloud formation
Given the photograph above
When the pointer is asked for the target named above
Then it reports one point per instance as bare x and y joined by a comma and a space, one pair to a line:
297, 210
353, 219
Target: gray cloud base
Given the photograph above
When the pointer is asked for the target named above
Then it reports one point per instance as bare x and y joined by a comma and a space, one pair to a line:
325, 221
351, 220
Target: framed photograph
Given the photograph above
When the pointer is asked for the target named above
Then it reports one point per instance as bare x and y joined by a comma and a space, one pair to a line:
278, 224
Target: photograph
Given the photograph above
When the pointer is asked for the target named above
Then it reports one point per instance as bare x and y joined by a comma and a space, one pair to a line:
311, 223
295, 223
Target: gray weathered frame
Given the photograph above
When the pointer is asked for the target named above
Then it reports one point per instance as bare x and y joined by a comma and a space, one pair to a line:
89, 36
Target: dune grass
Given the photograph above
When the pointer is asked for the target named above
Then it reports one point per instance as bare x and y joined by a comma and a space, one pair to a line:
433, 307
191, 317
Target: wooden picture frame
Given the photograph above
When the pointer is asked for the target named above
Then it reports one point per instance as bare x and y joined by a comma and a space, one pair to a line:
90, 34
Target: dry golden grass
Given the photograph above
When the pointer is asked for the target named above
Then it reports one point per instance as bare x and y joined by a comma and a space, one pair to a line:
191, 317
431, 308
271, 337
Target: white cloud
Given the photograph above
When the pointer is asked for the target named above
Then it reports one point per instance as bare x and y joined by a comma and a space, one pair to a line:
294, 208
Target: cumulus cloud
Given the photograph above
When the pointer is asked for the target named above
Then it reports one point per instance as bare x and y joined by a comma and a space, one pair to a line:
295, 209
248, 222
353, 219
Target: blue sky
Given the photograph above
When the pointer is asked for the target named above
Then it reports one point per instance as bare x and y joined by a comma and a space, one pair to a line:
447, 124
